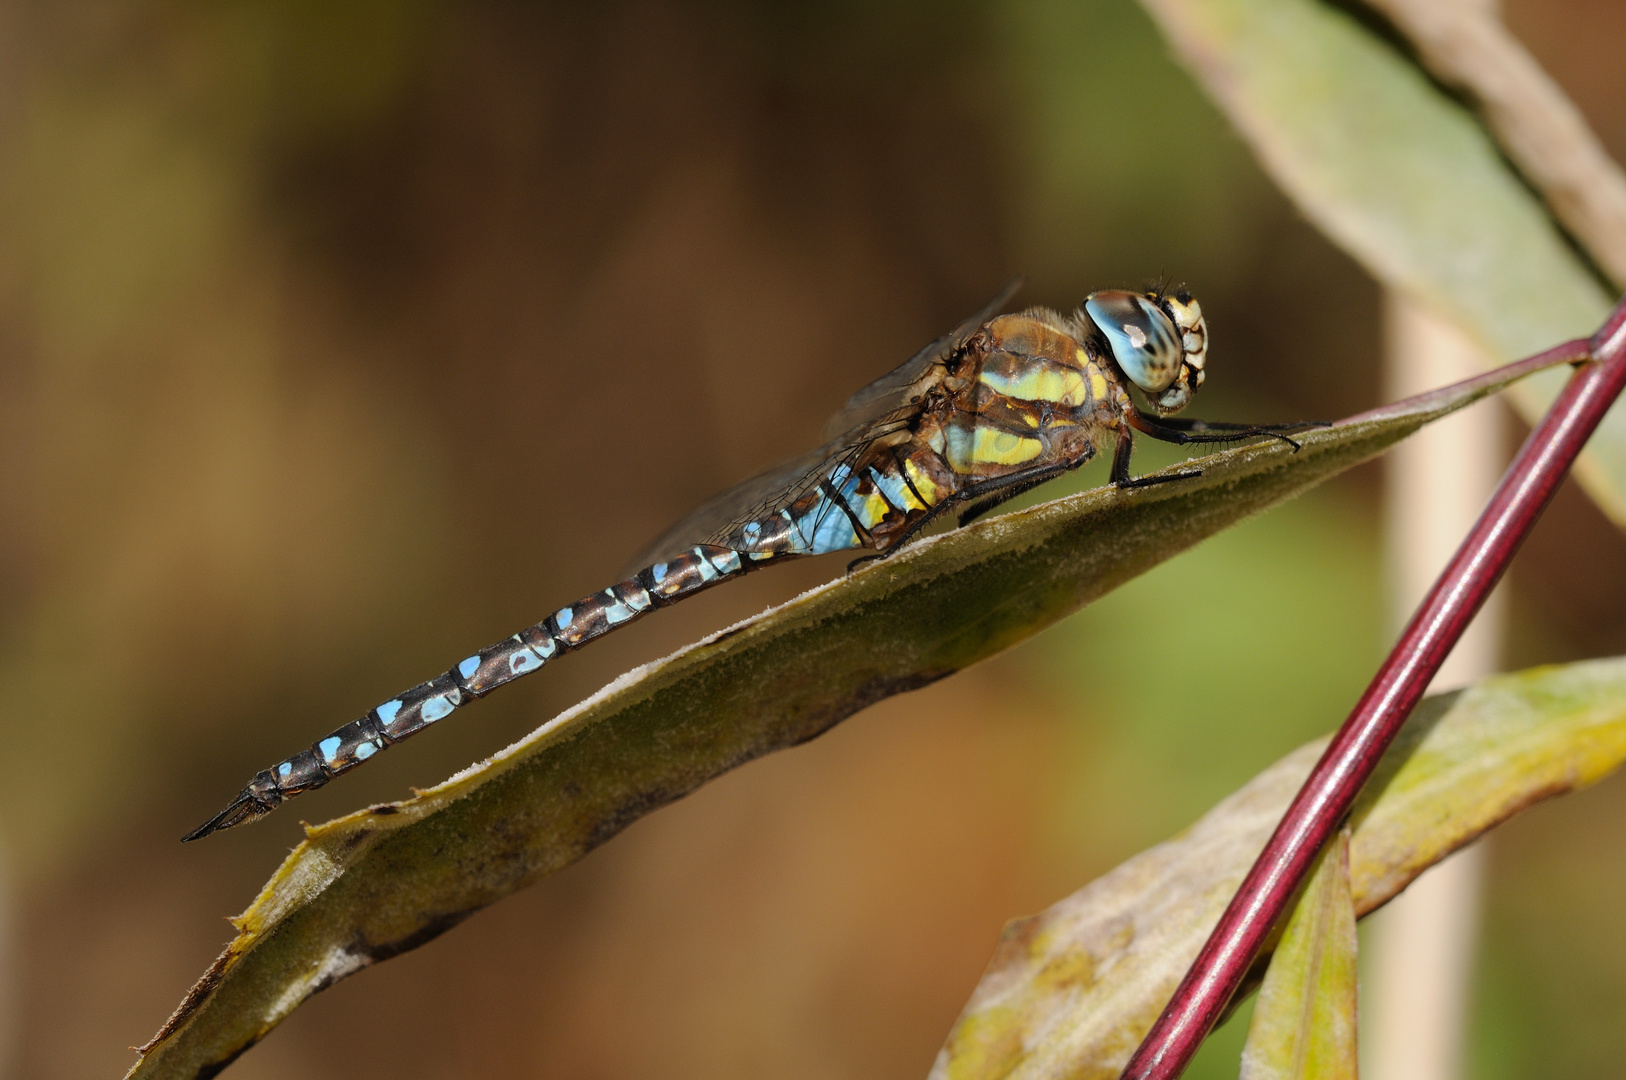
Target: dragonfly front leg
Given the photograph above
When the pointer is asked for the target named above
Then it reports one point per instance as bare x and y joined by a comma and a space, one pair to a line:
1187, 432
1240, 431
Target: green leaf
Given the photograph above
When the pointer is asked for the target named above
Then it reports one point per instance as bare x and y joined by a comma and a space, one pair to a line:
382, 881
1304, 1023
1071, 992
1406, 180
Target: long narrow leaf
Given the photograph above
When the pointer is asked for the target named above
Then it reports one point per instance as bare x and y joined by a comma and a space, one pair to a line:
379, 882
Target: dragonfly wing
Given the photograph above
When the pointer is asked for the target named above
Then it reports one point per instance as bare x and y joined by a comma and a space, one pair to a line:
761, 497
873, 412
891, 393
746, 501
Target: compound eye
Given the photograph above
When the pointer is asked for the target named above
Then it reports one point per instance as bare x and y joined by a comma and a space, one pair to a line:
1143, 340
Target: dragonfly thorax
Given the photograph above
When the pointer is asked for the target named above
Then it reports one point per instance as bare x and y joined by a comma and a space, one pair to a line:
1159, 342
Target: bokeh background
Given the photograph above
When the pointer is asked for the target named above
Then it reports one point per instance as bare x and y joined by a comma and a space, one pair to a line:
338, 339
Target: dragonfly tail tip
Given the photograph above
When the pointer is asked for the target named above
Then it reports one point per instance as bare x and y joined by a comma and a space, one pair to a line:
242, 809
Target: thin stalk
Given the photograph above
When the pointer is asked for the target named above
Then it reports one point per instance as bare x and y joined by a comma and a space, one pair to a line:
1325, 799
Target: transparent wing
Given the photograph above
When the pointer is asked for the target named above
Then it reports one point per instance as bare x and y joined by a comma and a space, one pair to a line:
762, 496
874, 412
892, 391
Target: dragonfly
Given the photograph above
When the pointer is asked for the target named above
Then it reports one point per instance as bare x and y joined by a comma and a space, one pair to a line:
997, 406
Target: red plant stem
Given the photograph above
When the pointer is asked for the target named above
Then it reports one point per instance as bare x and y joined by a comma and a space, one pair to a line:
1326, 796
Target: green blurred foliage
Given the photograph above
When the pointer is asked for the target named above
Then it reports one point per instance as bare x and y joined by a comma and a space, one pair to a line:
1181, 683
1550, 974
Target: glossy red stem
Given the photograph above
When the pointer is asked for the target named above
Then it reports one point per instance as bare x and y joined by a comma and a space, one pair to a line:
1326, 796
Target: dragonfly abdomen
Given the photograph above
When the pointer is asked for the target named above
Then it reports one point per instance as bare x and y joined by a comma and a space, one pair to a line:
407, 714
867, 502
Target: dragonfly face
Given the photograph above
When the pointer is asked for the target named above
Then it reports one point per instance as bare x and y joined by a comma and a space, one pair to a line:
1160, 342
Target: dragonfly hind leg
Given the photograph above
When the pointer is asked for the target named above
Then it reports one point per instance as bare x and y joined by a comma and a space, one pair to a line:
985, 498
1009, 488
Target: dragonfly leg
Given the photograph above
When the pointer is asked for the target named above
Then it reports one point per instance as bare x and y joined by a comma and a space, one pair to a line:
1186, 432
1120, 467
908, 534
990, 494
1010, 487
1225, 425
1153, 481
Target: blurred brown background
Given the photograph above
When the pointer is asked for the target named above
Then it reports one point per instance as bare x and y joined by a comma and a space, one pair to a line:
336, 340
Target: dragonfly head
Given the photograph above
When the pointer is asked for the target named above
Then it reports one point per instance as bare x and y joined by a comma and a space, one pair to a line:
1159, 340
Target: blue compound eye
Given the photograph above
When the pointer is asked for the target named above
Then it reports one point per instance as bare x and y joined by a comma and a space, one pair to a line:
1143, 340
